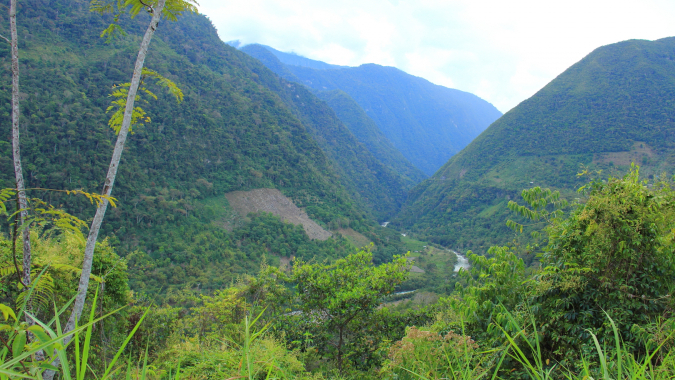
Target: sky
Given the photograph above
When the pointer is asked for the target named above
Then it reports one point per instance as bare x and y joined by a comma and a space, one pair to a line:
502, 51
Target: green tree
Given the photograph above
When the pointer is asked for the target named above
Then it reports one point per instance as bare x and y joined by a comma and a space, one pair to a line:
342, 294
169, 9
22, 202
614, 253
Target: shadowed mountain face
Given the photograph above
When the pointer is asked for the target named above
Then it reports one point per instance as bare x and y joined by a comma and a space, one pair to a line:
612, 108
367, 132
427, 123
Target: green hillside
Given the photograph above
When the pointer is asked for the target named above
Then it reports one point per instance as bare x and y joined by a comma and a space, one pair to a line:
612, 108
231, 133
349, 113
427, 123
366, 131
376, 187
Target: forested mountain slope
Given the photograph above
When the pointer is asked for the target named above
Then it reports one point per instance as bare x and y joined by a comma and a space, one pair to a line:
366, 131
427, 123
349, 113
614, 107
231, 133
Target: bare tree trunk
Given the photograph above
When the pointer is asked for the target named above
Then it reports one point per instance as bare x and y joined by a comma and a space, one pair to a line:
109, 180
112, 170
16, 150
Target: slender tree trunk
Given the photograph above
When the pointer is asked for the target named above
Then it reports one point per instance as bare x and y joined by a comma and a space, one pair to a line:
110, 179
16, 150
339, 355
112, 170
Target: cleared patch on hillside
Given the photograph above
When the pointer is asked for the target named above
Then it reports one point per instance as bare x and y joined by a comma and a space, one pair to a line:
271, 200
638, 153
354, 237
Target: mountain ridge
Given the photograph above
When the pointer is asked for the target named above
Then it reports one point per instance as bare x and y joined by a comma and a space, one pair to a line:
427, 123
613, 105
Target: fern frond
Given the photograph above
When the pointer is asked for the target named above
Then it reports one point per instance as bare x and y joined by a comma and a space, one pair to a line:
175, 8
93, 197
8, 270
138, 116
161, 81
78, 271
43, 291
5, 195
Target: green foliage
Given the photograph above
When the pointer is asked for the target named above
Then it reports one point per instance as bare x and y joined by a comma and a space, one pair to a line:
499, 279
613, 254
138, 116
171, 11
610, 256
604, 112
423, 354
425, 122
22, 341
341, 294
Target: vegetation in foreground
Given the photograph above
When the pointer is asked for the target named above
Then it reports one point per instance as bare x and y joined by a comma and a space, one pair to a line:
597, 305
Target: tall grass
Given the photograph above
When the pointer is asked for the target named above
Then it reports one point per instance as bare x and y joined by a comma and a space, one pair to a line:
618, 363
18, 359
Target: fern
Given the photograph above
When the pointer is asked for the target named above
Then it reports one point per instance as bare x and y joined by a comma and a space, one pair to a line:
42, 292
138, 115
5, 195
43, 286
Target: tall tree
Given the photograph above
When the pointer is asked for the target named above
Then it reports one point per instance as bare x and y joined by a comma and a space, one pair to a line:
169, 9
341, 294
16, 149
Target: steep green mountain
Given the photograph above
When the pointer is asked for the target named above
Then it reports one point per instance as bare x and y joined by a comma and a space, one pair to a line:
367, 132
349, 113
232, 132
373, 185
427, 123
612, 108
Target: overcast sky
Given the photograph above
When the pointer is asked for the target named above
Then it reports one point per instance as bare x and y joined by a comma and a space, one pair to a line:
502, 51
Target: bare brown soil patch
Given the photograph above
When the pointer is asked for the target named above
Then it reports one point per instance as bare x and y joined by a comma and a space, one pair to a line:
638, 152
415, 268
285, 263
271, 200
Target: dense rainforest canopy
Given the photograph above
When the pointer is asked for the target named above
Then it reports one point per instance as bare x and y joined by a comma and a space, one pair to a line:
240, 127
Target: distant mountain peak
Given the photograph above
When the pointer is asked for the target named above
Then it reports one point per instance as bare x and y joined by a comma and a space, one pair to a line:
295, 59
427, 123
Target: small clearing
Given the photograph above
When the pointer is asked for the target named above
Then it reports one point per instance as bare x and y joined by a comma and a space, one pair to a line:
354, 237
637, 154
271, 200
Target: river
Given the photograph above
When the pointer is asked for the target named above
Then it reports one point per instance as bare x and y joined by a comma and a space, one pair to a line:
462, 262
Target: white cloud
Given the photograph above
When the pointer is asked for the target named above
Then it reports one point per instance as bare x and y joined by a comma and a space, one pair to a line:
503, 51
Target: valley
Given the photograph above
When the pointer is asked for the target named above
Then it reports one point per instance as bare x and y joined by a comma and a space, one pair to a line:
275, 216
